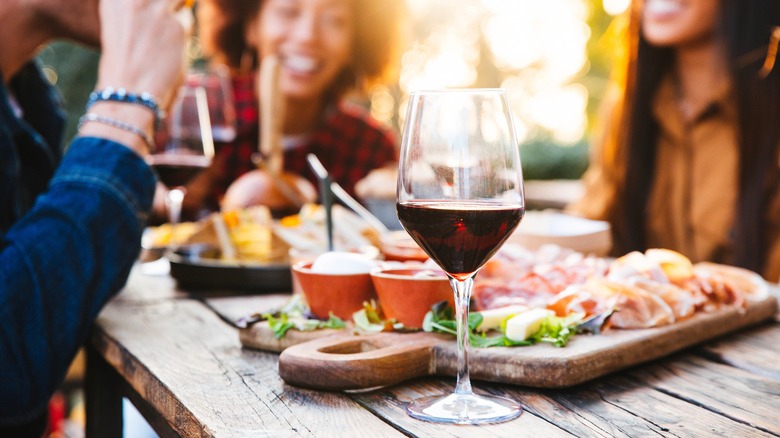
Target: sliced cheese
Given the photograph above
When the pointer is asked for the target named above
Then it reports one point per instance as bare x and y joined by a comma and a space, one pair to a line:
492, 318
523, 325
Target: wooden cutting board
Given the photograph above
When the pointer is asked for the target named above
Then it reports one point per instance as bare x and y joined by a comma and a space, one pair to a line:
339, 360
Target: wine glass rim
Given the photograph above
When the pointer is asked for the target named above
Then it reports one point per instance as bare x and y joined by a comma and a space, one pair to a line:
458, 90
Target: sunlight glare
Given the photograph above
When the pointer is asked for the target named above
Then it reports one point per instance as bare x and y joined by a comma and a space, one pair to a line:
562, 111
536, 50
615, 7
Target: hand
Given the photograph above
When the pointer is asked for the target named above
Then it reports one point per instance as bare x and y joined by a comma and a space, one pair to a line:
143, 46
159, 206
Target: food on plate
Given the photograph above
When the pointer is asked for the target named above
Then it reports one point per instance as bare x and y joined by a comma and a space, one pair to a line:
638, 290
306, 230
493, 318
729, 284
566, 293
282, 194
516, 275
251, 233
339, 262
525, 324
635, 307
525, 297
161, 236
682, 302
258, 238
248, 234
530, 327
675, 265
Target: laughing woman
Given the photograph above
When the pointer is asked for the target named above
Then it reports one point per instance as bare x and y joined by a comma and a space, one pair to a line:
690, 158
326, 49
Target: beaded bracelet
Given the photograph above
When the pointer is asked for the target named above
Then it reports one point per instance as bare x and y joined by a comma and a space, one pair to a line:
110, 94
97, 118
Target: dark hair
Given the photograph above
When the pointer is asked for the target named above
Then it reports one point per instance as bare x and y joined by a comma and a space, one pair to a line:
745, 27
376, 43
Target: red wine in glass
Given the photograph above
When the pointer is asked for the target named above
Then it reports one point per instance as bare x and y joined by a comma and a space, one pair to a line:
188, 148
176, 170
460, 197
459, 236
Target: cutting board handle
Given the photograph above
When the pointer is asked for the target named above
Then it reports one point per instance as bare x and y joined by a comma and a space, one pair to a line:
358, 362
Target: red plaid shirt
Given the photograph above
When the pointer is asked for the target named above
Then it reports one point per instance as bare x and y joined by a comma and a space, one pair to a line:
348, 142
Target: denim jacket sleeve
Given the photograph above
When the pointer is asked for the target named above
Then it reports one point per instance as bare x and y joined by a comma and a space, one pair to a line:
61, 262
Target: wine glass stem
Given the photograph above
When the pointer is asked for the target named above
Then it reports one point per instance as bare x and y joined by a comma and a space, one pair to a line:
173, 200
462, 291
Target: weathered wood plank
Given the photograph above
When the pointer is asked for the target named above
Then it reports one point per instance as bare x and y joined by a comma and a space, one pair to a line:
719, 388
756, 350
670, 416
189, 366
619, 406
574, 412
390, 404
610, 407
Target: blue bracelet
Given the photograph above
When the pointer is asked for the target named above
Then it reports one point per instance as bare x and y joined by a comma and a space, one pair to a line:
110, 94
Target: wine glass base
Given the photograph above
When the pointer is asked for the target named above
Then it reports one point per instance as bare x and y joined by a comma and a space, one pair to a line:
464, 409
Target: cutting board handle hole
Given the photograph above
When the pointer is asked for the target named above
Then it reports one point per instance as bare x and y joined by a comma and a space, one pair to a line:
352, 347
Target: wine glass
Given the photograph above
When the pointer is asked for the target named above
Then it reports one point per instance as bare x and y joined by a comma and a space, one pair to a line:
460, 196
187, 149
215, 79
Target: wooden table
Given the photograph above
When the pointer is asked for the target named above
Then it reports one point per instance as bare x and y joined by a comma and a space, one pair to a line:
184, 368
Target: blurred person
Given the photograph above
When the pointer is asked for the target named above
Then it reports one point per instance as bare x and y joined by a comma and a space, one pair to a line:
71, 221
689, 159
326, 50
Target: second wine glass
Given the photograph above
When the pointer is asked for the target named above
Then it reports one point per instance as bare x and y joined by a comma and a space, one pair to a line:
460, 196
187, 149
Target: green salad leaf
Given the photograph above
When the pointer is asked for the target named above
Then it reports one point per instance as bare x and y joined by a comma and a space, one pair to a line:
369, 320
554, 330
281, 323
294, 315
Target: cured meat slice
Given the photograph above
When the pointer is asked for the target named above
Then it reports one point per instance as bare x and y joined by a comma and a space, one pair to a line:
683, 302
634, 307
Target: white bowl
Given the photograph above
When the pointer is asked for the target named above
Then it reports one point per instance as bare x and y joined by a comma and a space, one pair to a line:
553, 227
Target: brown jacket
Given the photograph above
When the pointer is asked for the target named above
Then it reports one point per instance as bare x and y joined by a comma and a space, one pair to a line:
694, 194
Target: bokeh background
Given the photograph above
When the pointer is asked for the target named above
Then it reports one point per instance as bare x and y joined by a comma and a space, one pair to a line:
552, 56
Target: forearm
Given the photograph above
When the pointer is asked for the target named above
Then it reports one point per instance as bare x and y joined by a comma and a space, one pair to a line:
62, 262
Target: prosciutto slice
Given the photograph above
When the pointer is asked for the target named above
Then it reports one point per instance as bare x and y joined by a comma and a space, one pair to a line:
634, 307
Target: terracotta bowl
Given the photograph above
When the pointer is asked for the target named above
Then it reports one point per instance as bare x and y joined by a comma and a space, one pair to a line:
342, 294
399, 246
302, 256
408, 294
